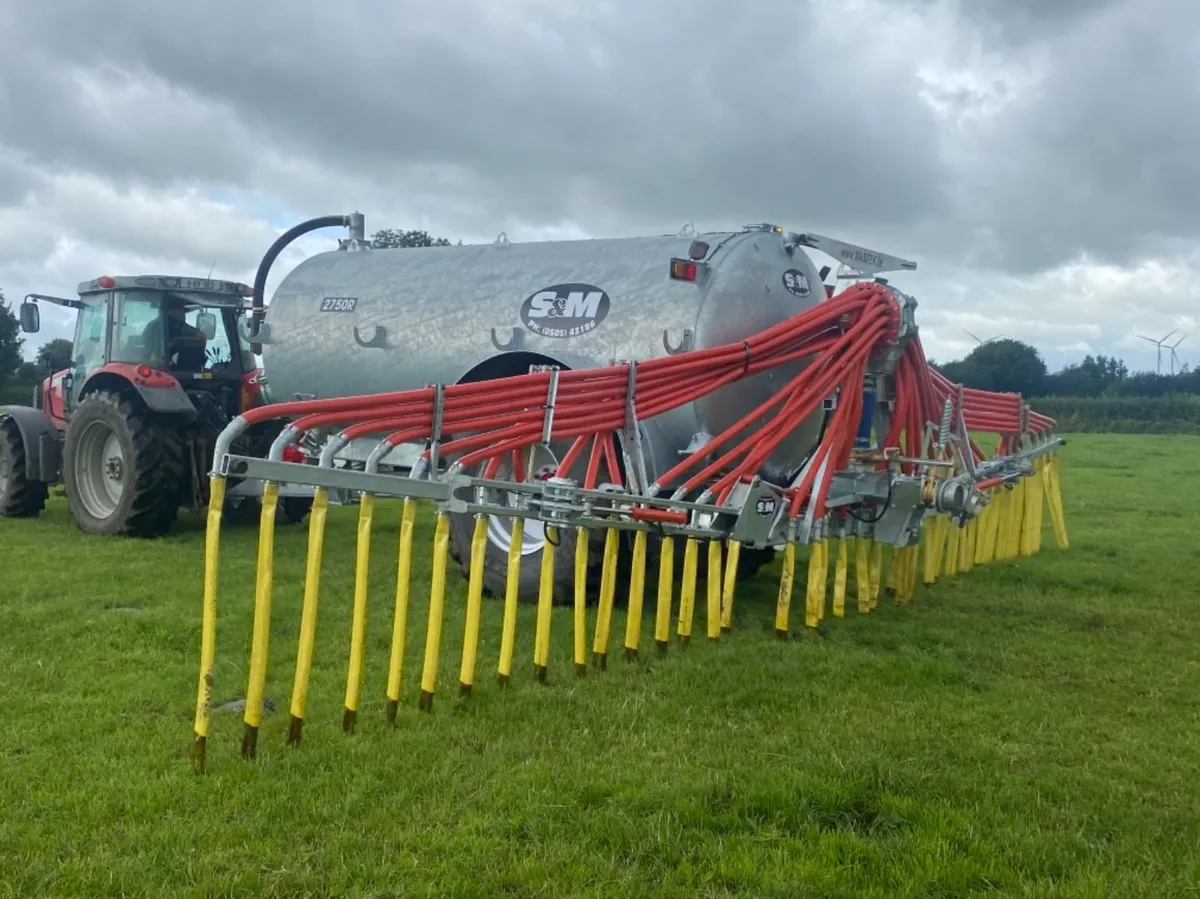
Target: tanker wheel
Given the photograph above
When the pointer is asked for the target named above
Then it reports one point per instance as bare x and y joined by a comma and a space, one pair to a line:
122, 467
499, 539
293, 509
19, 496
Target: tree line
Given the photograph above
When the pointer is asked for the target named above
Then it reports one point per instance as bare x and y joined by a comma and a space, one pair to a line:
1017, 367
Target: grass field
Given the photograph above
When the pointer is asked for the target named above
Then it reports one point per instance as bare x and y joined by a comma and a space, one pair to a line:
1026, 729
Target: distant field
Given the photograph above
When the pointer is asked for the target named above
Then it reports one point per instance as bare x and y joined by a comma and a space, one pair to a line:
1029, 728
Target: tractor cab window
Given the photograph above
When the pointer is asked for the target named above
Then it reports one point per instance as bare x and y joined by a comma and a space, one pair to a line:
171, 331
88, 350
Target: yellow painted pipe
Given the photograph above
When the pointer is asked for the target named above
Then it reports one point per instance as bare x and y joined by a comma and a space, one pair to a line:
512, 584
713, 587
666, 587
687, 590
358, 627
876, 572
966, 543
840, 574
732, 556
815, 585
1038, 524
437, 611
783, 603
308, 613
608, 591
208, 625
1058, 518
581, 585
408, 517
952, 551
470, 650
637, 591
822, 610
862, 573
541, 641
264, 580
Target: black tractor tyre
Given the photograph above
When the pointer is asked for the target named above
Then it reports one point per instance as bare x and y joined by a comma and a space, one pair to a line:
19, 496
123, 467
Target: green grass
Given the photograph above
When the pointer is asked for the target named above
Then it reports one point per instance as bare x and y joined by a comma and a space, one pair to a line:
1026, 729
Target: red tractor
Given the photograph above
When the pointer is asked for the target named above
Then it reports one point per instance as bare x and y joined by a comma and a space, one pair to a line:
160, 365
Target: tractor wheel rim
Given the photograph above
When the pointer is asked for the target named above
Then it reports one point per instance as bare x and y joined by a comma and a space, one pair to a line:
500, 528
100, 470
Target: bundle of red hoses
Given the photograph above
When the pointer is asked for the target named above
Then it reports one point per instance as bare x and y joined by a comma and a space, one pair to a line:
491, 421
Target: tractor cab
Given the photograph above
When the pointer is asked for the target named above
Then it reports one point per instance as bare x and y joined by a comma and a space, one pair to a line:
189, 328
192, 329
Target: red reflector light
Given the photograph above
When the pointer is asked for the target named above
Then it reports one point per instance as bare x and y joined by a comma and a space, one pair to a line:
144, 371
292, 454
683, 270
106, 282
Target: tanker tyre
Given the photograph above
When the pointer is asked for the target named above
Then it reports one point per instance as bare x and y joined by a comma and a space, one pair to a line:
122, 467
19, 496
495, 562
293, 509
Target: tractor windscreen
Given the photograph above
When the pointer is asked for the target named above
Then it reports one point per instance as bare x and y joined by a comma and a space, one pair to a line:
179, 331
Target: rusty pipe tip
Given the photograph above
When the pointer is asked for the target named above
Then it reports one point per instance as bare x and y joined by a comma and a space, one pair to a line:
581, 669
464, 690
726, 628
631, 654
663, 646
502, 680
781, 633
540, 674
198, 753
685, 640
295, 726
425, 702
349, 720
249, 741
600, 660
393, 706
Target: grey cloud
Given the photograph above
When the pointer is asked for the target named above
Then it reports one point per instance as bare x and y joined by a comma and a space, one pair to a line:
626, 116
663, 111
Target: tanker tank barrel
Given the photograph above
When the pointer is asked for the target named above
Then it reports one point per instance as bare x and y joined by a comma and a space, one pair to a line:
542, 495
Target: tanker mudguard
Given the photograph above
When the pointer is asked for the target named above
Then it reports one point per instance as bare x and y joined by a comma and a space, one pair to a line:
41, 440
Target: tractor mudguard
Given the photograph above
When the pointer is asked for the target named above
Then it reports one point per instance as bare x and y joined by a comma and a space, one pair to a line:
41, 439
159, 391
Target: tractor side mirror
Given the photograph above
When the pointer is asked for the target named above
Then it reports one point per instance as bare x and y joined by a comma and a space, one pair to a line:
31, 318
206, 324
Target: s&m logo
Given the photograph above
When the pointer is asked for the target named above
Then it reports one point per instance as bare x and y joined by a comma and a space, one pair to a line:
565, 310
796, 282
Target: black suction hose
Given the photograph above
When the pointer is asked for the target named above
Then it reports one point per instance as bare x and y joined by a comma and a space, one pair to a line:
258, 300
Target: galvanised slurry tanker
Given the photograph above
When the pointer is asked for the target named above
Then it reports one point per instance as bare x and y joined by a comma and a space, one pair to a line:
358, 320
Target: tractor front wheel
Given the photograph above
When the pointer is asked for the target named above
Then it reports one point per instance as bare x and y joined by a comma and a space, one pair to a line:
122, 467
19, 496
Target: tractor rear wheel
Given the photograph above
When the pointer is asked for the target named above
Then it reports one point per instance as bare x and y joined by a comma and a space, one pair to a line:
19, 496
122, 467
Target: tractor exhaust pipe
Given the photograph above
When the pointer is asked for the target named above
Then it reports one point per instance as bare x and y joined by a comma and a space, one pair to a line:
354, 222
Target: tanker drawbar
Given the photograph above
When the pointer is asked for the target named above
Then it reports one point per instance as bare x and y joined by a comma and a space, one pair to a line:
620, 425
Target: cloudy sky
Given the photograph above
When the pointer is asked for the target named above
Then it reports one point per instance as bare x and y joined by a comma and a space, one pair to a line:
1040, 159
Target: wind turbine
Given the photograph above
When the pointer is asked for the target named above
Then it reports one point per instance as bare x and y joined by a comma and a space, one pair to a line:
1159, 343
1174, 356
981, 342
